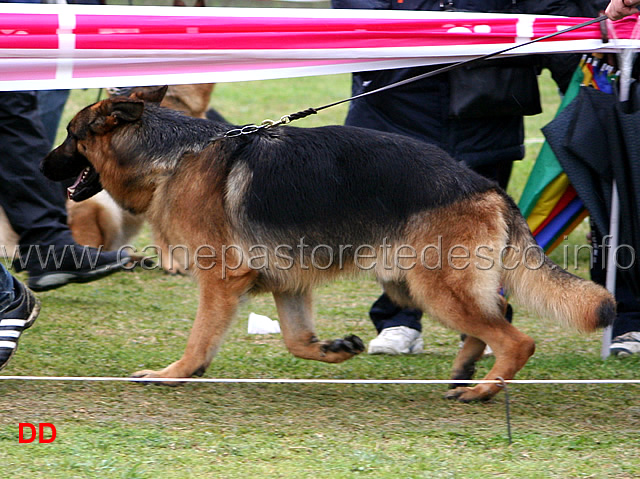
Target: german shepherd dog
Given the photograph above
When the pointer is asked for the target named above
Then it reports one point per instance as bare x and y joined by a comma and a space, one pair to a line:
285, 208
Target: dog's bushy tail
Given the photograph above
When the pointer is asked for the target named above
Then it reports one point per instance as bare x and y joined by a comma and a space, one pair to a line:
545, 288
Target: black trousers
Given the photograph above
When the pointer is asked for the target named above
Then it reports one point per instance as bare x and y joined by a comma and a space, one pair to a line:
34, 205
628, 311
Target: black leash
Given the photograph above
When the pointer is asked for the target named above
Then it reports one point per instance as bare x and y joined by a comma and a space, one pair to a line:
461, 64
248, 129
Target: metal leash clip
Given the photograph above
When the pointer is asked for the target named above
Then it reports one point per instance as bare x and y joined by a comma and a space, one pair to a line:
249, 129
271, 123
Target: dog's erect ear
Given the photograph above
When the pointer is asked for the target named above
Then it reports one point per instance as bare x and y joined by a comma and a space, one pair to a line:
150, 94
127, 110
114, 112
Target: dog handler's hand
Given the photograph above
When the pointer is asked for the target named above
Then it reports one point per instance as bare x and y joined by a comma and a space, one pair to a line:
618, 9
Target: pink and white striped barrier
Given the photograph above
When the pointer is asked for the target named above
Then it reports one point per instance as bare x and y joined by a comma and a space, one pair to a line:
81, 46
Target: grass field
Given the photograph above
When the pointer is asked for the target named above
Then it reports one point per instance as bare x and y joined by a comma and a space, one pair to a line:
141, 319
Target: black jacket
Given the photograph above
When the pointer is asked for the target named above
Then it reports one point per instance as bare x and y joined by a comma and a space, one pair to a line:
422, 109
572, 8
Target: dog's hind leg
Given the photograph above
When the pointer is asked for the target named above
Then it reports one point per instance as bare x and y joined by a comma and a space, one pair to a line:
217, 307
512, 350
296, 321
450, 297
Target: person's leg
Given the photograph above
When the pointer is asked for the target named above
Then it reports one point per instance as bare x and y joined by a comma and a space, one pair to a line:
35, 206
51, 104
628, 317
19, 308
626, 327
384, 314
7, 293
398, 328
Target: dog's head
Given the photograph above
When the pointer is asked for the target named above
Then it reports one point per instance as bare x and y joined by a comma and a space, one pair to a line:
84, 153
191, 99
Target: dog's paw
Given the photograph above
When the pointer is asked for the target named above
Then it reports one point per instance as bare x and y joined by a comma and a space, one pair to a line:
147, 373
351, 344
481, 392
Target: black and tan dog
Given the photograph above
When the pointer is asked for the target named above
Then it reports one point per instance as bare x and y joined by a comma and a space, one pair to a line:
283, 209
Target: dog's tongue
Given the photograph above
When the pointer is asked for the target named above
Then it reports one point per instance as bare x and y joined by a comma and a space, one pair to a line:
71, 189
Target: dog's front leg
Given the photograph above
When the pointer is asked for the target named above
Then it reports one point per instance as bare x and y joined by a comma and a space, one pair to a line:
217, 307
296, 321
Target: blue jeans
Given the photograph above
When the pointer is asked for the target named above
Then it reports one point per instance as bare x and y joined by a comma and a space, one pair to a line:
6, 289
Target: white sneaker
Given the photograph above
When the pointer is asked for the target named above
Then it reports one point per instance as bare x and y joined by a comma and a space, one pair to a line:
625, 344
397, 340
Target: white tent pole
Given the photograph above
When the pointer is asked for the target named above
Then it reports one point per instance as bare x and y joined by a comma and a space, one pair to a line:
626, 66
611, 264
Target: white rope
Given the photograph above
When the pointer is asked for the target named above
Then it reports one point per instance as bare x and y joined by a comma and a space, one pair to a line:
318, 381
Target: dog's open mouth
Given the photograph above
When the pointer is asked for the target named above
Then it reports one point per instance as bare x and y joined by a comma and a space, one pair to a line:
86, 185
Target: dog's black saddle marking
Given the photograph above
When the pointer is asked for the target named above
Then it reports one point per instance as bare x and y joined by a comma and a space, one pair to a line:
348, 177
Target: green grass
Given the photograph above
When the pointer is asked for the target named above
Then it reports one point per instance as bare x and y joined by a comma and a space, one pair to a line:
141, 319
